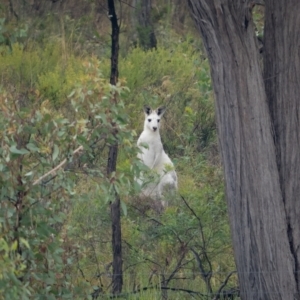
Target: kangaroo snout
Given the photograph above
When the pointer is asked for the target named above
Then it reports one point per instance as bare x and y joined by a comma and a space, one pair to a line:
154, 128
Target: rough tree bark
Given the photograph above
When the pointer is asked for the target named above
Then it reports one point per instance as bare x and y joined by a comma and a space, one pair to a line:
117, 279
258, 119
282, 82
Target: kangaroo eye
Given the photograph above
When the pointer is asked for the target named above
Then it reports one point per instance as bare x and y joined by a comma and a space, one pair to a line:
149, 120
158, 120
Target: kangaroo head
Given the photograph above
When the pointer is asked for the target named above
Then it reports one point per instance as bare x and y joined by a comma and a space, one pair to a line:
152, 117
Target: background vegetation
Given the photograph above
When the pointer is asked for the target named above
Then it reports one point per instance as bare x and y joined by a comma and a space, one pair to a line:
56, 110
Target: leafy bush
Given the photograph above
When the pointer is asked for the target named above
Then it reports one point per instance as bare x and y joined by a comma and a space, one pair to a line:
41, 152
45, 70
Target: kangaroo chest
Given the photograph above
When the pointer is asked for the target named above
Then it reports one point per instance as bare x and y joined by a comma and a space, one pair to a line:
152, 154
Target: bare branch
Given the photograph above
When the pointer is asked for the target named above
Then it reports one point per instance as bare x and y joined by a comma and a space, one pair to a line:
197, 217
178, 266
128, 4
53, 171
223, 285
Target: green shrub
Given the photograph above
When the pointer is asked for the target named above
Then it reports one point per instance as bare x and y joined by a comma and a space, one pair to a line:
45, 70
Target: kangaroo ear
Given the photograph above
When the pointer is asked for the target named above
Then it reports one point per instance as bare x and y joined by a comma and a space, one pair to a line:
161, 110
147, 110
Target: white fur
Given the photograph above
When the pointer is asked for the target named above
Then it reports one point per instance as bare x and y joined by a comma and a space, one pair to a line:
152, 154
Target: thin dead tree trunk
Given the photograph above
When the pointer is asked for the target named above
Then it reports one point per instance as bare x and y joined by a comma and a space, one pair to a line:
264, 229
117, 279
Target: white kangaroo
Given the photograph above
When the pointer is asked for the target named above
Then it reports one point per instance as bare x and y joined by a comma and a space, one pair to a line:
152, 154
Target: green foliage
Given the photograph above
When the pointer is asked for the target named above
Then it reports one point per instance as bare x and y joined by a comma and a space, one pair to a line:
11, 265
37, 140
159, 244
55, 231
156, 77
258, 18
30, 213
10, 35
45, 70
156, 245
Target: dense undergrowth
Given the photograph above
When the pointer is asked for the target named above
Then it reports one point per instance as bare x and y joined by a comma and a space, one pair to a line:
55, 230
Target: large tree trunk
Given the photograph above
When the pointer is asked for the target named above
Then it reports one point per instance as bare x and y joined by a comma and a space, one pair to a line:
282, 81
260, 189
